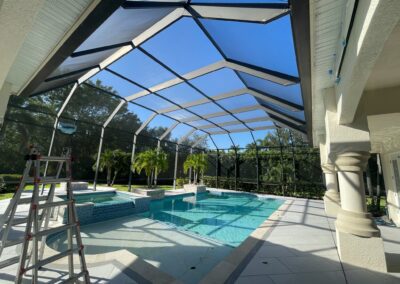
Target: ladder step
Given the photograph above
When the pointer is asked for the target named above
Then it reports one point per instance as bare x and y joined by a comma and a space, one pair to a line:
48, 180
75, 278
54, 230
54, 204
18, 221
27, 200
51, 259
9, 261
13, 243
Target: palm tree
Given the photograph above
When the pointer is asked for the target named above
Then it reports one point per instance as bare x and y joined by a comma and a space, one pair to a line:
198, 163
107, 161
152, 163
121, 162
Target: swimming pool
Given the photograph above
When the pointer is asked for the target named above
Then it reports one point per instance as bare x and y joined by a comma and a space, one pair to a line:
226, 217
185, 236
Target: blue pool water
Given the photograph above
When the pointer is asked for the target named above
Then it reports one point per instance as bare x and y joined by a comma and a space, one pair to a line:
226, 217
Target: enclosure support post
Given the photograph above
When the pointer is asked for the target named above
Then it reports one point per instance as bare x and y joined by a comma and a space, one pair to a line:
217, 170
236, 168
293, 161
53, 135
132, 160
258, 169
281, 157
190, 170
98, 159
122, 102
176, 164
257, 162
143, 126
158, 152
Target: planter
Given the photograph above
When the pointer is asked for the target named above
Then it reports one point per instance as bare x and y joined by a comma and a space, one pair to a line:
195, 188
154, 193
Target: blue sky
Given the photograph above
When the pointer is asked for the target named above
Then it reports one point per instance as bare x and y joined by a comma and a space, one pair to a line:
184, 48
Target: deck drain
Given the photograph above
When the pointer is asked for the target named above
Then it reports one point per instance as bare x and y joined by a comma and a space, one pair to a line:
265, 262
193, 267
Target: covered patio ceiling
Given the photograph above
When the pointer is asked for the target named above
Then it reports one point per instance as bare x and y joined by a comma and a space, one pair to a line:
218, 68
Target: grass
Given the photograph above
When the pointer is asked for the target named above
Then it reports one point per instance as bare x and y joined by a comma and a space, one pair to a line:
6, 195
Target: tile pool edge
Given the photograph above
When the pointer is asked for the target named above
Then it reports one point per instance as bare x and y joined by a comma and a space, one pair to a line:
138, 269
229, 268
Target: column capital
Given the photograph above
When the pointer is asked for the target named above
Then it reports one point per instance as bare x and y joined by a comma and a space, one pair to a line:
328, 168
355, 161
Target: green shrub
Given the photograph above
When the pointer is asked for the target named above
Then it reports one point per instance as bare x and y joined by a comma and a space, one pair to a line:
8, 182
181, 181
300, 189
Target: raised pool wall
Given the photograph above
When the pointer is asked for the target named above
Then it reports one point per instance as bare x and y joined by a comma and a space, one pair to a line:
90, 212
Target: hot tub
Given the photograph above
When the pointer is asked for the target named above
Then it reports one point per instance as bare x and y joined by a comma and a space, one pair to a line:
100, 206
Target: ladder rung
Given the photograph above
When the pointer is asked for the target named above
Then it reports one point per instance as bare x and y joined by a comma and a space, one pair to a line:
51, 259
13, 243
9, 261
26, 200
54, 204
75, 278
18, 221
48, 180
54, 230
53, 158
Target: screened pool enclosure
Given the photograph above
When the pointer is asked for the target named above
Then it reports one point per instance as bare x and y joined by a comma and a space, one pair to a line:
221, 78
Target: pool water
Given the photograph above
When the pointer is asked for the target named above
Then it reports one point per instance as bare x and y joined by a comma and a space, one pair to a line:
226, 217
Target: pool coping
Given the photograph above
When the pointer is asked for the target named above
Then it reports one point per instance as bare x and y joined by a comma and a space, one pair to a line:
226, 271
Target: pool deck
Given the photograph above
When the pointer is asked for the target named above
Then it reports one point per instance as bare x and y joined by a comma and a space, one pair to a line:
295, 245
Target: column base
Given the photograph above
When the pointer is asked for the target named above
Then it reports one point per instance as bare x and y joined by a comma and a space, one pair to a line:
331, 203
359, 242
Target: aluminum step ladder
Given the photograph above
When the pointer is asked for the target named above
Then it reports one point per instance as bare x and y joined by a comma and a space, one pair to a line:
37, 221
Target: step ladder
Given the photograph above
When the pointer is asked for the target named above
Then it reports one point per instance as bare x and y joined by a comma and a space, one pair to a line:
37, 221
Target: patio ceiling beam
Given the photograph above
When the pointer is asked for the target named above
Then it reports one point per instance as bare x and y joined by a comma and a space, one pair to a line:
286, 124
275, 100
245, 130
267, 74
137, 41
114, 113
235, 122
144, 124
200, 140
186, 136
139, 105
222, 113
255, 13
172, 127
187, 82
234, 65
212, 140
147, 91
282, 115
255, 93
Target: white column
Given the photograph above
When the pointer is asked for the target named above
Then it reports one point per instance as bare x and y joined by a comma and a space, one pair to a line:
331, 197
358, 237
